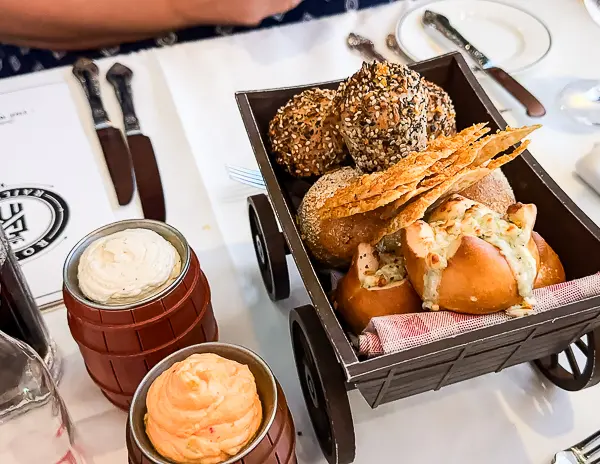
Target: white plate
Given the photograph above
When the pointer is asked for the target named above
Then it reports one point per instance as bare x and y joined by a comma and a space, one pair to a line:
593, 7
512, 38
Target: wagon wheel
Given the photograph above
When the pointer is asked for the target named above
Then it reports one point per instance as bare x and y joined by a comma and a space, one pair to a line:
270, 247
323, 386
582, 359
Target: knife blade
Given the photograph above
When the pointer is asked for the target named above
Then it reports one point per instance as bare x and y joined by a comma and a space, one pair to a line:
111, 139
145, 167
442, 24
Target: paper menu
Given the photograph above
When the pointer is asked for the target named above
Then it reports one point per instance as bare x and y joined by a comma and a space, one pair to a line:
51, 190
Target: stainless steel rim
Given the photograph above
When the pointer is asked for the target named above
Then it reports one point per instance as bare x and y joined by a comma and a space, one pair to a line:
206, 348
168, 232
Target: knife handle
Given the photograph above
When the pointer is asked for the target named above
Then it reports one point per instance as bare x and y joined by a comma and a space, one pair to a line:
534, 107
441, 24
120, 77
364, 46
86, 71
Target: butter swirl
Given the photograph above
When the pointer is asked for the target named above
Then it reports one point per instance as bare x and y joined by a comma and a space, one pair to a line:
203, 410
127, 266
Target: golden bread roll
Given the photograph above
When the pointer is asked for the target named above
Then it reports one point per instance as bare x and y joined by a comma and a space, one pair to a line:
470, 259
376, 285
551, 270
334, 241
493, 191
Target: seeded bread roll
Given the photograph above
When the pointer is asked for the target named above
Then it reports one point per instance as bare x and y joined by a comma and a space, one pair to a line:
493, 191
334, 241
441, 116
304, 136
383, 114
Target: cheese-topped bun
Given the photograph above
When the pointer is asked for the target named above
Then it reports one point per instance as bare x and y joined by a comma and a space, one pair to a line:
551, 270
376, 285
470, 259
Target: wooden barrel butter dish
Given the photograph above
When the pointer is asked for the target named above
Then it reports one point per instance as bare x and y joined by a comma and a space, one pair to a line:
122, 373
275, 440
121, 343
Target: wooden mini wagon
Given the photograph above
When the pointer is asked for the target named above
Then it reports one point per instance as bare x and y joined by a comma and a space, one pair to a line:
328, 364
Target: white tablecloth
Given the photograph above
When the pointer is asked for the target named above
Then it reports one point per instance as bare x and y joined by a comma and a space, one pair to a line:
512, 417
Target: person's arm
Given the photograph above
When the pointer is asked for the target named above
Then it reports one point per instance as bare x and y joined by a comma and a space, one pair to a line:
81, 24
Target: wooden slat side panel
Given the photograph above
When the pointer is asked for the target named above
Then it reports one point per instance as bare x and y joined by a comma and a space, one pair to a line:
574, 322
423, 379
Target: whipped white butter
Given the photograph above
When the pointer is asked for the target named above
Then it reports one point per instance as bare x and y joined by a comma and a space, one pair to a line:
127, 266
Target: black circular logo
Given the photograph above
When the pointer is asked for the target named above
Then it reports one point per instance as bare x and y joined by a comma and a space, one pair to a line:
33, 219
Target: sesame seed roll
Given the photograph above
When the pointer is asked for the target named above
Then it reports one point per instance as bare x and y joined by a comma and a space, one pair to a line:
383, 114
303, 134
441, 116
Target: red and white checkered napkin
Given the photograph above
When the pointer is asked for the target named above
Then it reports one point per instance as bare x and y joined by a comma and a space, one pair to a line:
390, 334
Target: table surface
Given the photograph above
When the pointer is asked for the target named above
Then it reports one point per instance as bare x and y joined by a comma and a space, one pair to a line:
184, 98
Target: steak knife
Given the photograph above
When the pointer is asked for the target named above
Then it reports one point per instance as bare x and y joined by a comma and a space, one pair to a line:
441, 24
147, 174
111, 139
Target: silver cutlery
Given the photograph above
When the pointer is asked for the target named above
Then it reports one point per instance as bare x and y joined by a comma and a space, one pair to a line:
251, 177
364, 46
584, 452
114, 148
393, 45
441, 24
145, 167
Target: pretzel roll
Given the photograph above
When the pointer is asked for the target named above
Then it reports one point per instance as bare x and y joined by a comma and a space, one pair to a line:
470, 259
551, 270
376, 285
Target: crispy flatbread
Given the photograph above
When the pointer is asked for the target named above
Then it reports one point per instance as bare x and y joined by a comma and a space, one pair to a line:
441, 151
369, 204
444, 163
406, 170
501, 141
467, 179
483, 150
410, 187
393, 198
416, 209
464, 136
464, 157
502, 160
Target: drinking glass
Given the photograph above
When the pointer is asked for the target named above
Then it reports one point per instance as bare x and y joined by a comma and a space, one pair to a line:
35, 426
581, 101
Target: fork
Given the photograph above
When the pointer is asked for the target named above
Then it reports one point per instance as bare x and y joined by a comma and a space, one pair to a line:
251, 177
584, 452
